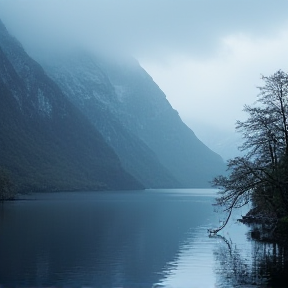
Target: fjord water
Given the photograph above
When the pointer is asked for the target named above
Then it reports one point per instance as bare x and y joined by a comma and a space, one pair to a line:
152, 238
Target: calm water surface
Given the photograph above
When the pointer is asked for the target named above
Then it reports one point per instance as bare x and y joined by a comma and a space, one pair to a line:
152, 238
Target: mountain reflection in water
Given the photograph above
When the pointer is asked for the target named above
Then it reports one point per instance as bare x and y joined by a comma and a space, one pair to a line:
130, 239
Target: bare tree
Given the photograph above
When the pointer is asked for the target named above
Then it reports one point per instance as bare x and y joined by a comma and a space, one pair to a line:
261, 176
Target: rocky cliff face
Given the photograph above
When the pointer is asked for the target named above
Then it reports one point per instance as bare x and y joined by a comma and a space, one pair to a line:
46, 143
124, 102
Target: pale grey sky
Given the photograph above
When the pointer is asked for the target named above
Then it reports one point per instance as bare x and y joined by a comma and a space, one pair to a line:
206, 55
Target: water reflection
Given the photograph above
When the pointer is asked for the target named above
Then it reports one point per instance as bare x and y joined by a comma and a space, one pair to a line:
235, 270
265, 267
130, 239
194, 264
114, 239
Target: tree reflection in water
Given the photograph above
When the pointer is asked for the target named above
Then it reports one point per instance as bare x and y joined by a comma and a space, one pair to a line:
267, 266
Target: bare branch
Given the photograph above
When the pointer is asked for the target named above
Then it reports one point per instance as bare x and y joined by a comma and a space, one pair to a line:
263, 171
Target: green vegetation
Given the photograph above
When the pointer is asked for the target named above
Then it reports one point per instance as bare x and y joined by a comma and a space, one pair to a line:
260, 177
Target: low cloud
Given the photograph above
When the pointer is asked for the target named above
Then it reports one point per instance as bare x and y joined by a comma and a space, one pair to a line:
207, 56
214, 90
142, 27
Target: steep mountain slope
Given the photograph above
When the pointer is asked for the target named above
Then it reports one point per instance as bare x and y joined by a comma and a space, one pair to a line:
138, 104
222, 141
146, 111
45, 142
84, 83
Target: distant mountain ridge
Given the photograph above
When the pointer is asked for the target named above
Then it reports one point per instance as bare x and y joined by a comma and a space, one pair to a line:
147, 112
92, 123
45, 142
136, 103
89, 88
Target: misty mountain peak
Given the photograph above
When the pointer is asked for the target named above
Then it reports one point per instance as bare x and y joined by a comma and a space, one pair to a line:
47, 144
120, 98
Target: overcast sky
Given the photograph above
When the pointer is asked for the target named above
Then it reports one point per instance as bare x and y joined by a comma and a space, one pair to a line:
206, 55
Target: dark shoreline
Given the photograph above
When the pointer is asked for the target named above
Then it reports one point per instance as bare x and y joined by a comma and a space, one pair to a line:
266, 229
